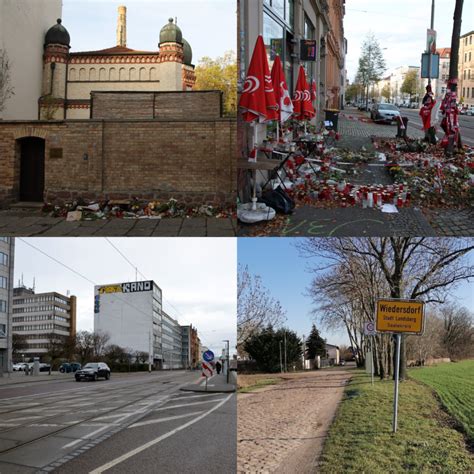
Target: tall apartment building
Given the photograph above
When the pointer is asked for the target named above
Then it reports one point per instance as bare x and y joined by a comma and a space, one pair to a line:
466, 69
42, 319
131, 315
439, 85
7, 246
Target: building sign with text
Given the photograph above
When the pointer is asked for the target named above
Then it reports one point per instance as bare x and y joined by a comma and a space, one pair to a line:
126, 287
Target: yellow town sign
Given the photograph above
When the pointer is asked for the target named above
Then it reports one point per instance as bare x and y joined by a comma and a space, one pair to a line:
400, 316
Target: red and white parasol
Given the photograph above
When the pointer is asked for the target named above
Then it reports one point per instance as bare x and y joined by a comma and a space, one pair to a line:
282, 94
304, 109
258, 97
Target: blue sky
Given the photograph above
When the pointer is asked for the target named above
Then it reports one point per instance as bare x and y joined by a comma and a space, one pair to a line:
210, 26
400, 26
286, 275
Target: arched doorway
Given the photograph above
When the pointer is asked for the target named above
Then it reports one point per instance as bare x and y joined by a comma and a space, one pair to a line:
31, 169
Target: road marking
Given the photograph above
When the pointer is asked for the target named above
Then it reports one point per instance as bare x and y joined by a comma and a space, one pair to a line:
161, 420
197, 396
187, 404
151, 443
73, 443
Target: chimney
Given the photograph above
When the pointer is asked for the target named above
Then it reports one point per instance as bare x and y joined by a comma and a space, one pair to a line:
122, 27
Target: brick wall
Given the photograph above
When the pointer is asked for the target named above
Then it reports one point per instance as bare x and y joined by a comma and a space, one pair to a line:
193, 161
160, 105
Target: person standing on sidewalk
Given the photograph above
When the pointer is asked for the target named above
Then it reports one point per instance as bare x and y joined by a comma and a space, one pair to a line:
218, 367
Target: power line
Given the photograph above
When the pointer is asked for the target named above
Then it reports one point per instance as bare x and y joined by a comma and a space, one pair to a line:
125, 258
115, 295
135, 267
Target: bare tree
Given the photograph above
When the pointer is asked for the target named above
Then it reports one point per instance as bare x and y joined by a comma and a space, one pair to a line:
411, 268
6, 88
256, 308
458, 334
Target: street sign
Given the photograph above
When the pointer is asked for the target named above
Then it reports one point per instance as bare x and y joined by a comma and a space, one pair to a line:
208, 356
369, 328
207, 370
425, 68
400, 316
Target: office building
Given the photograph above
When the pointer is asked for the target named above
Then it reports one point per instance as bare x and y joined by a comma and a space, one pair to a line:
42, 320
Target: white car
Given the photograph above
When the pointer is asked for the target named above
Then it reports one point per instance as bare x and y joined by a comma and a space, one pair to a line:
19, 366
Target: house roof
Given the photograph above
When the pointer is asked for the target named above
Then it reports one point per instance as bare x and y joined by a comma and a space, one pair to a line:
444, 52
116, 50
331, 345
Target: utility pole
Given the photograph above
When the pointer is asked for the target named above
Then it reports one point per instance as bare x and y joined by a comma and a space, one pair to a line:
281, 361
284, 337
149, 353
432, 27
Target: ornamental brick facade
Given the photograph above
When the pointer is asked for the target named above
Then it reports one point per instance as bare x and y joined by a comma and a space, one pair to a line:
69, 78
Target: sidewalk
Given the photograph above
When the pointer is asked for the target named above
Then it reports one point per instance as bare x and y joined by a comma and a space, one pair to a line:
215, 384
20, 377
33, 223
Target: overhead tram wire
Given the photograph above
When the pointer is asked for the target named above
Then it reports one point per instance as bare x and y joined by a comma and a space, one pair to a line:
115, 295
140, 273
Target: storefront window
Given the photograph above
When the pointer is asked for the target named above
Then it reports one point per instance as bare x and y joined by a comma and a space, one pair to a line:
273, 38
279, 7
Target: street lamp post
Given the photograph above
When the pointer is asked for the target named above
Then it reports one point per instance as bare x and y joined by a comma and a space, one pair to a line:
281, 361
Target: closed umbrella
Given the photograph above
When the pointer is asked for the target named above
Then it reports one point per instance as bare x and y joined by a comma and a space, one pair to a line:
282, 95
304, 109
257, 102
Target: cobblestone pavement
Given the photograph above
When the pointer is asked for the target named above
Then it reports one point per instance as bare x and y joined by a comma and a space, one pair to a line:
27, 224
351, 126
451, 222
282, 428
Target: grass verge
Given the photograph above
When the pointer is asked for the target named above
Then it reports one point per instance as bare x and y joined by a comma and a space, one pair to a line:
360, 438
454, 384
249, 383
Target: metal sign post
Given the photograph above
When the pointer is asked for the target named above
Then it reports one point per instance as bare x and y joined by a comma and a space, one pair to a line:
395, 396
399, 317
370, 332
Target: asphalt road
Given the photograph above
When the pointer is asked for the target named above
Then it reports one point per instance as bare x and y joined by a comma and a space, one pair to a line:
138, 423
466, 124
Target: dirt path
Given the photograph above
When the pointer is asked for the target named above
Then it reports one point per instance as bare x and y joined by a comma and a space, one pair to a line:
281, 429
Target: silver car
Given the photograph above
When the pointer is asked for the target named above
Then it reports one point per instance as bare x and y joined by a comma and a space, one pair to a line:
387, 113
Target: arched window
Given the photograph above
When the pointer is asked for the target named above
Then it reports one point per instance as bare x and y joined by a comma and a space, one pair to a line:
143, 76
153, 76
133, 74
102, 74
72, 74
123, 74
82, 74
92, 74
112, 74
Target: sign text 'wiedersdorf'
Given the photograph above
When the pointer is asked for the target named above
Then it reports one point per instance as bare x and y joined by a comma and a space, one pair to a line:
132, 287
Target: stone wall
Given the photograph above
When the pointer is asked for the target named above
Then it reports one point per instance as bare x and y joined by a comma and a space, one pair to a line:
190, 160
160, 105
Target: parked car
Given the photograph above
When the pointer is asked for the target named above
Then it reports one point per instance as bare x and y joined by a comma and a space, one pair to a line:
67, 367
470, 110
19, 366
92, 371
387, 113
